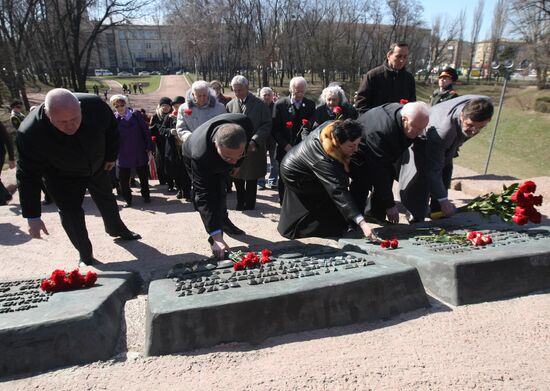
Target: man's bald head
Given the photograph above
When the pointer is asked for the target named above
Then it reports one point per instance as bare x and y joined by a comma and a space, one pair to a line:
415, 117
63, 109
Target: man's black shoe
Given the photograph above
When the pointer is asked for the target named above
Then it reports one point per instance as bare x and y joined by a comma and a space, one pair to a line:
87, 262
127, 235
230, 228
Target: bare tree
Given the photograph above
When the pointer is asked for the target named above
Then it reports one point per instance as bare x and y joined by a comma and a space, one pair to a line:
498, 25
477, 21
531, 22
440, 38
14, 18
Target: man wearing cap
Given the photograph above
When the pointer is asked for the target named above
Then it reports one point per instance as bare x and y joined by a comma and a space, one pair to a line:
389, 82
427, 168
72, 141
445, 91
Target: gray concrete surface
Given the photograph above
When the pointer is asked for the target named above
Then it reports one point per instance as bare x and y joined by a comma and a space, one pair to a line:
73, 327
517, 263
332, 292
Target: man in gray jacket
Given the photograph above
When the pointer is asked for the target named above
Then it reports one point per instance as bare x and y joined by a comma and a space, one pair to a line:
427, 170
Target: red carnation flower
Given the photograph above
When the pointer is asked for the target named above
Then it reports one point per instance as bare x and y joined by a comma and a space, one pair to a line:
385, 244
337, 110
478, 241
527, 187
47, 285
238, 266
58, 276
90, 278
520, 219
403, 101
265, 260
188, 111
472, 235
394, 244
174, 113
537, 200
305, 121
535, 217
266, 252
154, 139
486, 239
289, 124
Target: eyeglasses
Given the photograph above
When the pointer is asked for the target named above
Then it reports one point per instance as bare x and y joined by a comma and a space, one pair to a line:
231, 159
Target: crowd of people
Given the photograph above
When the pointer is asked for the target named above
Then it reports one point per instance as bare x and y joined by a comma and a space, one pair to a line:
333, 163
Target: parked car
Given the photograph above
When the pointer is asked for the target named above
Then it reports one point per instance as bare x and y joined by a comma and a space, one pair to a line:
124, 74
144, 73
155, 73
103, 72
180, 72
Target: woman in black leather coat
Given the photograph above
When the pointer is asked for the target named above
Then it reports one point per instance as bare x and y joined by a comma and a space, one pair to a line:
317, 201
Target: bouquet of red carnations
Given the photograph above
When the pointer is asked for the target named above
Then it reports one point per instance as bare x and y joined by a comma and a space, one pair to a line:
250, 260
515, 204
62, 281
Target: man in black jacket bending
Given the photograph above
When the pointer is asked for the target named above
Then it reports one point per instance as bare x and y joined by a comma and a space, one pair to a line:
389, 82
215, 148
388, 131
72, 141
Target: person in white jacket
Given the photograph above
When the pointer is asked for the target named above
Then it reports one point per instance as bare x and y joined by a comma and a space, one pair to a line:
200, 106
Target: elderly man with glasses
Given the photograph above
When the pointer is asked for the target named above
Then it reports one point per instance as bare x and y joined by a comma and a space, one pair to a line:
427, 169
210, 153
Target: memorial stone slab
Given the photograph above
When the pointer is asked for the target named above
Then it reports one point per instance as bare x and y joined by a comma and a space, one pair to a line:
199, 306
516, 263
42, 331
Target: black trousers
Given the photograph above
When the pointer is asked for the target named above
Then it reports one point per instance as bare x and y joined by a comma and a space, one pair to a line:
246, 193
124, 175
309, 215
68, 194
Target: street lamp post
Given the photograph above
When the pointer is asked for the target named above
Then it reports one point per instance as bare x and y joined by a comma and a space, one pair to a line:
506, 71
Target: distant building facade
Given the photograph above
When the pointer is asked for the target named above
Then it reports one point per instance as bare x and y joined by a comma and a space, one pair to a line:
135, 48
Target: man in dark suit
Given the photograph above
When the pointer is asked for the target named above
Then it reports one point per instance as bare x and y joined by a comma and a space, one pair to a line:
211, 152
428, 170
389, 82
72, 141
292, 116
388, 131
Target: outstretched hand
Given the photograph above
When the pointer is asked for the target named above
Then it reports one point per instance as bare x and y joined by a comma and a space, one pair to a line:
35, 226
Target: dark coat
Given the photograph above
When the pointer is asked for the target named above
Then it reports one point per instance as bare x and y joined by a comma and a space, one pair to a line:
317, 201
323, 114
382, 144
208, 171
6, 145
255, 164
385, 85
283, 112
439, 96
45, 151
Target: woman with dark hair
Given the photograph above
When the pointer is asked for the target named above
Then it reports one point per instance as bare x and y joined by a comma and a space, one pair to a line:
317, 201
135, 146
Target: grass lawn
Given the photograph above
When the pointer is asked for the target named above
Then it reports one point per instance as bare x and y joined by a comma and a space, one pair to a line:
523, 135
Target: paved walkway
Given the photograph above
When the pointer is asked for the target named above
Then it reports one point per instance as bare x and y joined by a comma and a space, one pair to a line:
170, 86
